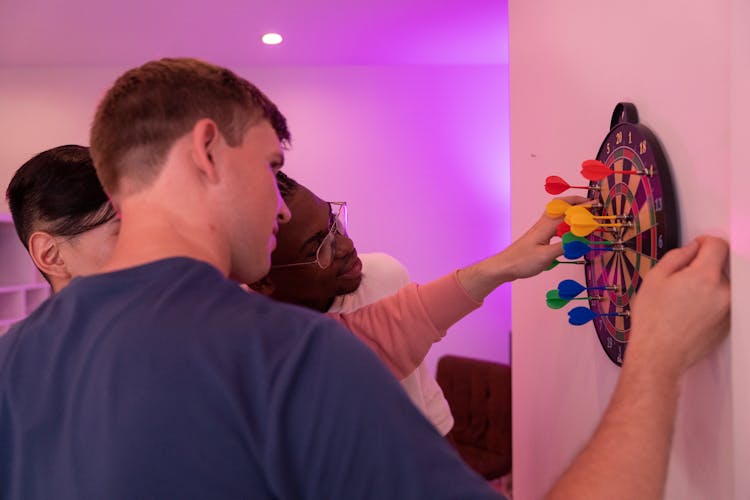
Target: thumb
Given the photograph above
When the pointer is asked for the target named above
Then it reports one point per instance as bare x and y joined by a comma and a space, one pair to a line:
676, 259
544, 229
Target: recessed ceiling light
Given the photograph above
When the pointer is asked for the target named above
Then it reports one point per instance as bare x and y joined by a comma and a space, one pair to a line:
272, 39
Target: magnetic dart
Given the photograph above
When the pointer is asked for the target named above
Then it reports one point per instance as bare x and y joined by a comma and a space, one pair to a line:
568, 289
557, 185
556, 263
558, 208
568, 237
582, 225
595, 171
577, 249
582, 315
554, 301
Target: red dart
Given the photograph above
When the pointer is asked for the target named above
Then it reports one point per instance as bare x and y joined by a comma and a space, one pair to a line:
565, 228
556, 185
594, 170
562, 229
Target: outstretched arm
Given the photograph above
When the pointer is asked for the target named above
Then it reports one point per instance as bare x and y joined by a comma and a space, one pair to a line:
402, 328
680, 314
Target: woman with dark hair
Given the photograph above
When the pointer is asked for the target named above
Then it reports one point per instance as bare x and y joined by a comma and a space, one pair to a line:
62, 215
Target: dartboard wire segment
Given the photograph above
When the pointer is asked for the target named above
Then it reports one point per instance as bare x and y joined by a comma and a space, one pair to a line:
639, 190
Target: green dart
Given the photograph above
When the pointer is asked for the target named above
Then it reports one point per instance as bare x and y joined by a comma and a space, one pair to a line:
569, 237
555, 263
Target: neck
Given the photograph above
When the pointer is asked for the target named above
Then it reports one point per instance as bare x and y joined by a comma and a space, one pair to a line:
151, 232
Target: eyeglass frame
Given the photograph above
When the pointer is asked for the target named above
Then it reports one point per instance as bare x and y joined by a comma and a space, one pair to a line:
330, 238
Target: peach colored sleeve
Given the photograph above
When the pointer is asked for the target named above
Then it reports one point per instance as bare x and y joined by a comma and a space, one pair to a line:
402, 328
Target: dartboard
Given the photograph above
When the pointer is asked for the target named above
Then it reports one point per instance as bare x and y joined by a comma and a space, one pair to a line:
645, 204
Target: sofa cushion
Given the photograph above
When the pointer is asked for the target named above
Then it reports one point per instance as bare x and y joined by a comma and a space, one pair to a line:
479, 395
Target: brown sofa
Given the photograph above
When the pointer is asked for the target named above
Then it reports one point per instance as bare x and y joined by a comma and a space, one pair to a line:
478, 393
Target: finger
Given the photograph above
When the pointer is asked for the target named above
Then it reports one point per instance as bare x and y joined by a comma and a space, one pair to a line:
676, 259
713, 252
552, 251
544, 229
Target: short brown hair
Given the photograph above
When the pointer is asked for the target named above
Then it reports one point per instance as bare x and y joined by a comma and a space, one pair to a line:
150, 107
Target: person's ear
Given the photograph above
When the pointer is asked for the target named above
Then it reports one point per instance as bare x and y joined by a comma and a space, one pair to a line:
45, 253
264, 286
206, 141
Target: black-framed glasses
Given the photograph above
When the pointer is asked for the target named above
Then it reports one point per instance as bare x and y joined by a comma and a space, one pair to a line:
338, 224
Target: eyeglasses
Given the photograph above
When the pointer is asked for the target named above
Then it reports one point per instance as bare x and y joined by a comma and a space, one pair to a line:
338, 224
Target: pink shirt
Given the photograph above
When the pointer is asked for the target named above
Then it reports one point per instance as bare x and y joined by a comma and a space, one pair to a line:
401, 328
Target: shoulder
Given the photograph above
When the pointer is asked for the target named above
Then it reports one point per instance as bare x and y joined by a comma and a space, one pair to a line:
384, 271
382, 263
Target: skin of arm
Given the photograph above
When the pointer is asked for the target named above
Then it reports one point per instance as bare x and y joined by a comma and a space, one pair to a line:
681, 314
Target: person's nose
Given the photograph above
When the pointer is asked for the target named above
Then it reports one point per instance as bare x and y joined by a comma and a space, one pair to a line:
284, 215
344, 245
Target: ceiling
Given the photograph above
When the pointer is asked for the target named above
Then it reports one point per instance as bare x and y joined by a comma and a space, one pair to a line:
316, 32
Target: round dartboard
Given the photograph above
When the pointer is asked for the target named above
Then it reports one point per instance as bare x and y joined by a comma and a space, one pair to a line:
645, 205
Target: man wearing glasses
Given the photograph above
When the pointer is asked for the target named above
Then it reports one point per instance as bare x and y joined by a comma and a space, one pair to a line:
316, 265
312, 239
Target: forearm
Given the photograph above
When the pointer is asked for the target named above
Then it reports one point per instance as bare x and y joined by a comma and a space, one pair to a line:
402, 328
628, 454
482, 278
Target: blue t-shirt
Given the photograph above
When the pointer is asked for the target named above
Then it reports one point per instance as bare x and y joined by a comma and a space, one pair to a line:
167, 381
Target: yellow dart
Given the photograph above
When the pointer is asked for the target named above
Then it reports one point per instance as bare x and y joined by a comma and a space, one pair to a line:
579, 209
557, 208
584, 224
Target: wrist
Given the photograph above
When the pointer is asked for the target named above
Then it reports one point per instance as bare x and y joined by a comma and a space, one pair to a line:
480, 279
653, 361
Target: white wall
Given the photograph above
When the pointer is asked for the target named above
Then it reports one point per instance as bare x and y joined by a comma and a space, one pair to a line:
570, 63
740, 266
420, 153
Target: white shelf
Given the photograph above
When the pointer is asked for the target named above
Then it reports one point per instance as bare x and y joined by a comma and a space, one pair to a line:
22, 287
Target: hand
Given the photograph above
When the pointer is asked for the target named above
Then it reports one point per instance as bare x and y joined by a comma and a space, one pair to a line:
681, 311
529, 255
532, 253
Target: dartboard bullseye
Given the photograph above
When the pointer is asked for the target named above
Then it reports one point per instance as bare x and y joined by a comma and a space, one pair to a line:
638, 193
